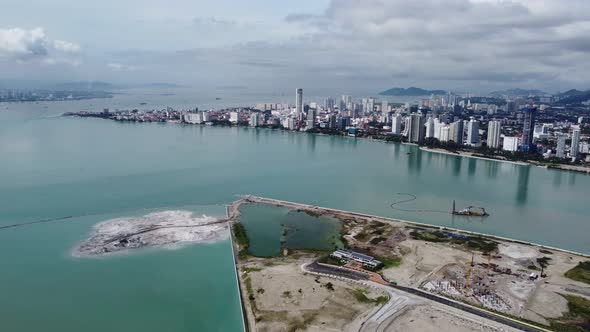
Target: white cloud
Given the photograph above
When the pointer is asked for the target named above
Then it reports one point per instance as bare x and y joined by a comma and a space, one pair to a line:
120, 67
24, 46
66, 46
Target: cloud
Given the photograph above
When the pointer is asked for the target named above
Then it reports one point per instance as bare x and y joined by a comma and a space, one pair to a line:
24, 45
120, 67
499, 41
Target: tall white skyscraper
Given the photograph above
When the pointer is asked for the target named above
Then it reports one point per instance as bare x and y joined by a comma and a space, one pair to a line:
510, 144
473, 132
575, 147
299, 102
560, 151
384, 105
396, 124
494, 128
445, 130
437, 128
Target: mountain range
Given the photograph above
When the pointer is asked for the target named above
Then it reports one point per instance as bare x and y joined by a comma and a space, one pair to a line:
411, 91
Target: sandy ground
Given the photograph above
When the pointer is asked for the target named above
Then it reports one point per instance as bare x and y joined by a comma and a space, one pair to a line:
169, 229
430, 318
283, 297
505, 286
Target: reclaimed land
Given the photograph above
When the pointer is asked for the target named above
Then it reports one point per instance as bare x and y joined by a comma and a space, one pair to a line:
463, 281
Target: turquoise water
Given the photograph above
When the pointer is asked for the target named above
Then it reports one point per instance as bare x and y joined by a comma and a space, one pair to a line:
268, 225
54, 167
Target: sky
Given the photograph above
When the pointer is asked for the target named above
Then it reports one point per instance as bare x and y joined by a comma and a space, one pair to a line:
461, 45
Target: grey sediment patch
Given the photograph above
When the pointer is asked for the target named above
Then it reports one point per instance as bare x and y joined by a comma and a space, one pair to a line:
168, 229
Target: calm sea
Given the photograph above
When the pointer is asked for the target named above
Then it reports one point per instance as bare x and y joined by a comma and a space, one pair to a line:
95, 170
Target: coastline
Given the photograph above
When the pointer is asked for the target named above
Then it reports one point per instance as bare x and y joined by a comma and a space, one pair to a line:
469, 155
318, 209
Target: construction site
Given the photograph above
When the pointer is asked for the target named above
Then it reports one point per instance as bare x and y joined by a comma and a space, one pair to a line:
519, 280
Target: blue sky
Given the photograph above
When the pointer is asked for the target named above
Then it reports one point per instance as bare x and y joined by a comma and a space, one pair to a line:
467, 45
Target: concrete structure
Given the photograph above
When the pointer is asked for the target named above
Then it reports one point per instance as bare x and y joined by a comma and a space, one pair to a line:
528, 129
444, 133
234, 117
456, 132
575, 147
193, 118
299, 102
254, 119
473, 132
396, 124
429, 128
310, 122
348, 255
494, 129
416, 129
560, 151
510, 144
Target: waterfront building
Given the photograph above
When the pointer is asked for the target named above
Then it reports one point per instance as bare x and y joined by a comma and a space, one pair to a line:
193, 118
205, 116
299, 103
456, 132
437, 128
528, 129
396, 124
254, 119
444, 133
560, 151
234, 117
416, 128
429, 128
473, 132
310, 122
349, 255
575, 147
494, 129
510, 144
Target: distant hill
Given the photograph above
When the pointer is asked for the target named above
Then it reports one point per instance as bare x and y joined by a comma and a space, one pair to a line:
160, 85
518, 92
573, 96
411, 91
85, 86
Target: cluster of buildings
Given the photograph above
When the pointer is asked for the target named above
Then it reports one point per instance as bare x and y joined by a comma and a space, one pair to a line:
486, 124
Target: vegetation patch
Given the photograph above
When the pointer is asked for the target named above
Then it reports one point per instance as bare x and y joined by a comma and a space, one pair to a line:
389, 261
240, 235
330, 260
578, 317
469, 242
361, 296
580, 273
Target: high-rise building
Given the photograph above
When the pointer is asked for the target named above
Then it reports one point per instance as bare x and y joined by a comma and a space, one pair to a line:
416, 129
510, 144
575, 147
560, 151
429, 128
444, 133
254, 119
299, 103
437, 129
329, 103
310, 122
384, 105
494, 129
473, 132
456, 132
396, 124
234, 117
528, 129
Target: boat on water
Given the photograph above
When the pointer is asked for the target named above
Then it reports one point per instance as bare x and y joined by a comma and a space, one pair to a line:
475, 211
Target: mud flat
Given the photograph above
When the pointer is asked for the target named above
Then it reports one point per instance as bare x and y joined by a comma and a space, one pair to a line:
168, 229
